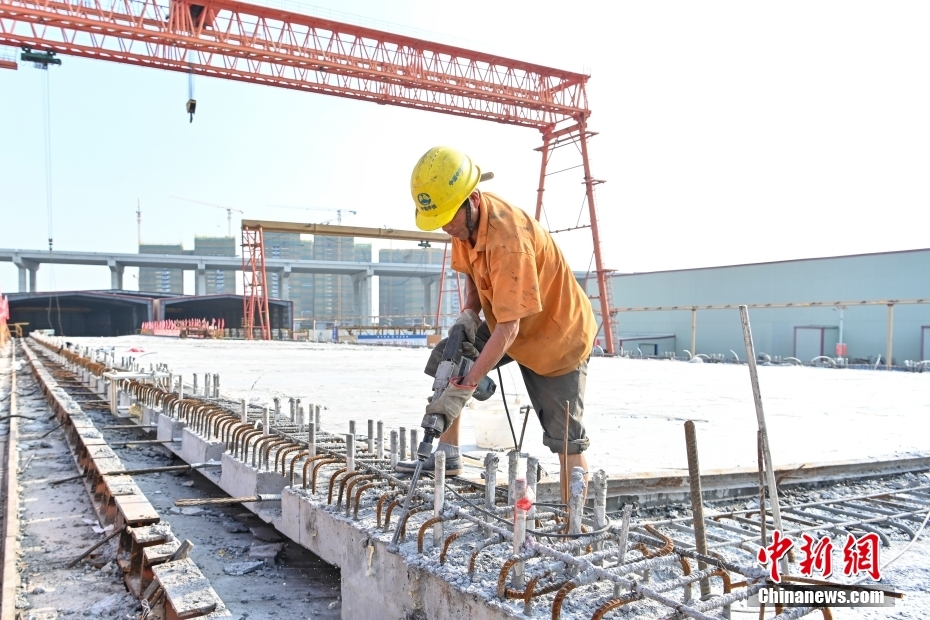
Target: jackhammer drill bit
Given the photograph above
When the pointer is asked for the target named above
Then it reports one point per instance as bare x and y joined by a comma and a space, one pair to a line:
393, 547
453, 364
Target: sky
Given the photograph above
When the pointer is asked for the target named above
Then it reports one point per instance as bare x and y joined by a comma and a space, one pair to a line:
728, 132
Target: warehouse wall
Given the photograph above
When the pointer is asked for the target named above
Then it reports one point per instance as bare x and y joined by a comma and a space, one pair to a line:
892, 275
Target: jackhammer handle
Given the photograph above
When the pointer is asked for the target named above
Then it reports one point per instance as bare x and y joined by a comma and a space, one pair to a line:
453, 348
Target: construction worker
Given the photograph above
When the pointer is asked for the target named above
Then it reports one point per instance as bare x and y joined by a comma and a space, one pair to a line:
535, 312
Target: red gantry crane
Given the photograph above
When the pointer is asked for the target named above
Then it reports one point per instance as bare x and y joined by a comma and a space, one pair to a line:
239, 41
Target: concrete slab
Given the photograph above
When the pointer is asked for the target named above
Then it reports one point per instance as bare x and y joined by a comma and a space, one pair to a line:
242, 480
638, 406
196, 449
169, 429
634, 409
375, 583
149, 416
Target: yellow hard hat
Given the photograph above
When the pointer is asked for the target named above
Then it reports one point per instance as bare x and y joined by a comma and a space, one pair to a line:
440, 183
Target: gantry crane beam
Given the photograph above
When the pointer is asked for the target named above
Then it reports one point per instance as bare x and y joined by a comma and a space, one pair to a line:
347, 231
235, 40
239, 41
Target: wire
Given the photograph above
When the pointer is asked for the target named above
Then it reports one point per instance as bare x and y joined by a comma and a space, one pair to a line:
903, 551
47, 129
528, 530
57, 307
500, 380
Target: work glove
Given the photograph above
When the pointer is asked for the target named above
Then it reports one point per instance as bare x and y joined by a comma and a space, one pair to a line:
452, 400
468, 319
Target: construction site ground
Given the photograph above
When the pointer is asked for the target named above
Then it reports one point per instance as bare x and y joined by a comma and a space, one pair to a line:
634, 409
255, 570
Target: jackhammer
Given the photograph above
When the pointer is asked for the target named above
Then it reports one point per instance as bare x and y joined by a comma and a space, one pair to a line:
454, 364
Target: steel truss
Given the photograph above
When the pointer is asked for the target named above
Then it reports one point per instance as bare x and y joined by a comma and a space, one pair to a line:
239, 41
255, 284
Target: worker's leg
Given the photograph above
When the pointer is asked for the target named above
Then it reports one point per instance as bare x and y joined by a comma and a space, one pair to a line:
451, 436
564, 434
574, 460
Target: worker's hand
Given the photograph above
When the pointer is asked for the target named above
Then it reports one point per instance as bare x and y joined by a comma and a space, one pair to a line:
470, 321
468, 350
452, 400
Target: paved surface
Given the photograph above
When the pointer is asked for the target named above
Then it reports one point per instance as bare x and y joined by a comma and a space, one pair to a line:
635, 409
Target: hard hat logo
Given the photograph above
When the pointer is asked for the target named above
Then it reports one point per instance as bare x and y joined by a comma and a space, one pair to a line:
455, 177
441, 180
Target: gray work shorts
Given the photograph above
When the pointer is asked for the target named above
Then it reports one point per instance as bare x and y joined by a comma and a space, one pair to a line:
548, 395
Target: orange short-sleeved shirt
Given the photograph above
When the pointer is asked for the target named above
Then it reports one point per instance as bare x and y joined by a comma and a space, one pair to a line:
520, 274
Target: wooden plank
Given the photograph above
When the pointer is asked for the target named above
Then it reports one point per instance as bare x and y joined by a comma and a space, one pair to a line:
187, 590
99, 452
108, 465
121, 485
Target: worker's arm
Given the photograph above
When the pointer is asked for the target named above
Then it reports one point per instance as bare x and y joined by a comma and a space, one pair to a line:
472, 301
501, 339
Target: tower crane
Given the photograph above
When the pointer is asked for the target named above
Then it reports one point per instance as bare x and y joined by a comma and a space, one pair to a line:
338, 212
229, 211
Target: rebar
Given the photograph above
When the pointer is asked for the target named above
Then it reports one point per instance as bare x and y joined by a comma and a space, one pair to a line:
697, 500
590, 551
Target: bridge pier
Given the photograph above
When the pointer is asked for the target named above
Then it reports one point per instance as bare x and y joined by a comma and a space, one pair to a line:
116, 275
361, 293
200, 279
428, 308
285, 283
26, 267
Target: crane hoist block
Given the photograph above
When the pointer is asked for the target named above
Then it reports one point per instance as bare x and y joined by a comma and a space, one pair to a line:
39, 58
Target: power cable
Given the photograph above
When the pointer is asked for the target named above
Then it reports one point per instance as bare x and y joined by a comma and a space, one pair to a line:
500, 380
